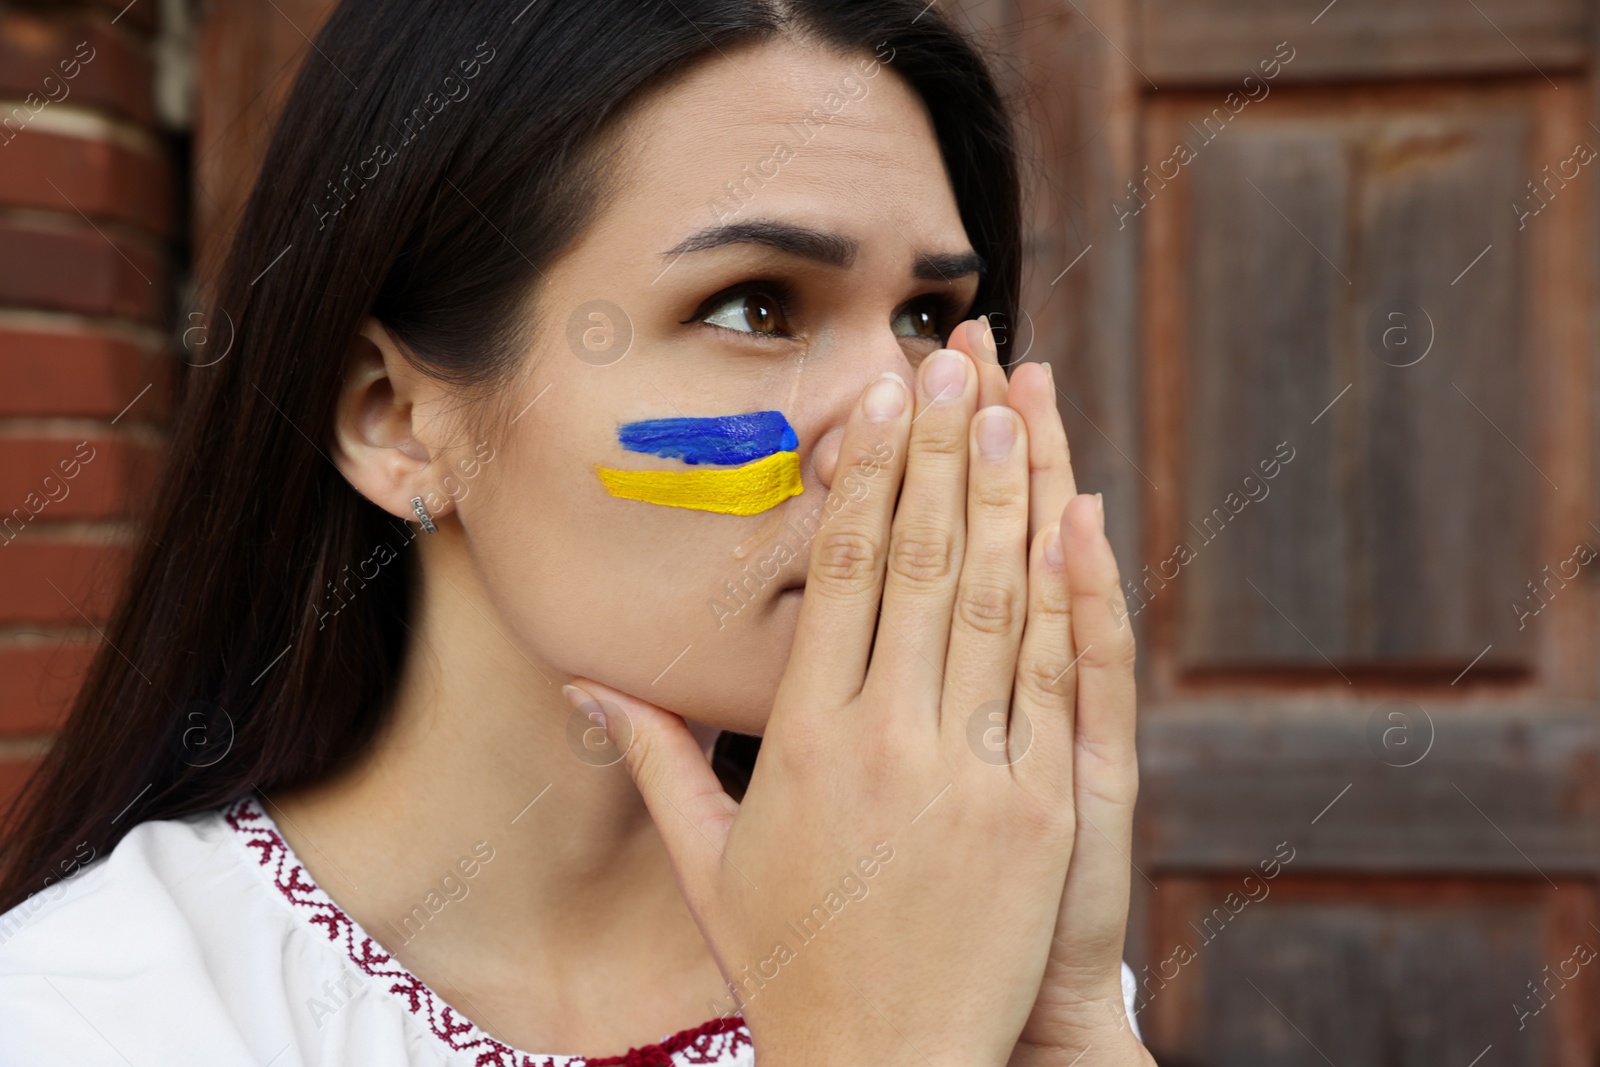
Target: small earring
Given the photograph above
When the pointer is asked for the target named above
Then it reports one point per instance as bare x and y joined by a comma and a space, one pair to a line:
422, 515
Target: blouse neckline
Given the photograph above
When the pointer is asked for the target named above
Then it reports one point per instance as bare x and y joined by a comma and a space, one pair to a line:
711, 1042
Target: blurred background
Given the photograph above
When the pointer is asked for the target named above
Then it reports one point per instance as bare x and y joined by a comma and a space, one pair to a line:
1318, 283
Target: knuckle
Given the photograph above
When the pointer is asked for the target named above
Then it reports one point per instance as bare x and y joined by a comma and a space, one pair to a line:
1106, 767
1043, 678
1113, 653
922, 556
1051, 606
845, 557
1118, 787
1124, 651
1112, 646
804, 745
937, 437
886, 755
1045, 817
988, 606
641, 760
999, 495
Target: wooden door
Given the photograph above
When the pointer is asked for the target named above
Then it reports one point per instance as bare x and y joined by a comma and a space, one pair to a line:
1318, 281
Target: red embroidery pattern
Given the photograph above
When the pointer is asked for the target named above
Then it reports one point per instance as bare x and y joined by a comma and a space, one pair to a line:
714, 1042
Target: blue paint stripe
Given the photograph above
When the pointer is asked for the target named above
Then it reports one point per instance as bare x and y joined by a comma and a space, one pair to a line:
726, 439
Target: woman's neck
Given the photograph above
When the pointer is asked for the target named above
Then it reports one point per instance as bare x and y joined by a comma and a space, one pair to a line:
496, 859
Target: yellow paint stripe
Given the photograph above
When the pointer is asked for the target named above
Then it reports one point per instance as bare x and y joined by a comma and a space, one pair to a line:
746, 490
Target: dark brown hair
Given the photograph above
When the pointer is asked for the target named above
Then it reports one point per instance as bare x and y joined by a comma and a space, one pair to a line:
432, 157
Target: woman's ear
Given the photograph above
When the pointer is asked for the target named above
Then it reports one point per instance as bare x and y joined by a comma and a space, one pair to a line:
378, 429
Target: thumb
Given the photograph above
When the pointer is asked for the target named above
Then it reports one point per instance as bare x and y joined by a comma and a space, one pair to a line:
691, 810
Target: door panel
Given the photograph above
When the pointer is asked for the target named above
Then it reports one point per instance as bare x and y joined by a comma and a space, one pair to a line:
1188, 41
1312, 238
1365, 971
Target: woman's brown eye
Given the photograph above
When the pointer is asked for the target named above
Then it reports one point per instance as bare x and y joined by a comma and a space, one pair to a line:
919, 320
760, 314
749, 313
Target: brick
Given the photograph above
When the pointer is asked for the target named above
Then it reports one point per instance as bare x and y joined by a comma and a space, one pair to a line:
59, 479
102, 179
75, 268
117, 76
50, 582
137, 15
86, 374
13, 775
40, 683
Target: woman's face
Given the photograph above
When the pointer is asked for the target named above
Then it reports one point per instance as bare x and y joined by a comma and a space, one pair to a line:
783, 234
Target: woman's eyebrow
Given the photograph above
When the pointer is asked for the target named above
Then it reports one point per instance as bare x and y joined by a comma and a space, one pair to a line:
823, 246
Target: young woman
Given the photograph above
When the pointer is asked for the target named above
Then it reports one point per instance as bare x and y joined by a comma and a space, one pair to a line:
656, 321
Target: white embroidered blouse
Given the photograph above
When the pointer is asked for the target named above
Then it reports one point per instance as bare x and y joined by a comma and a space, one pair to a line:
204, 941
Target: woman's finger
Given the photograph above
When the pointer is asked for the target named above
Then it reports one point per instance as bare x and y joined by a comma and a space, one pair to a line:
1042, 704
929, 536
1104, 636
976, 339
1105, 771
1081, 990
1031, 390
839, 611
685, 798
992, 594
1033, 394
1071, 570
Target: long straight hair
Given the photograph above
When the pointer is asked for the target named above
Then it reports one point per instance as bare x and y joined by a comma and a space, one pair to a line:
432, 158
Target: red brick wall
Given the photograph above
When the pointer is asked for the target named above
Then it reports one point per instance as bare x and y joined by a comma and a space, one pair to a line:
87, 219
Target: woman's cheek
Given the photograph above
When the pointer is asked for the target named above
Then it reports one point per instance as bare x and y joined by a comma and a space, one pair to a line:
740, 464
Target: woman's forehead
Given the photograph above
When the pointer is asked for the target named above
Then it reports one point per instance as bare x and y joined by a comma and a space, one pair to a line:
829, 129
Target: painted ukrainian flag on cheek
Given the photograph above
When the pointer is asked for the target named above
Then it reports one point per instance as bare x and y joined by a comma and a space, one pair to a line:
762, 444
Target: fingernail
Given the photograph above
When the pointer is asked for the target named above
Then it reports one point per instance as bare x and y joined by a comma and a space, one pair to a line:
1053, 555
996, 433
1100, 509
988, 339
885, 398
580, 700
944, 375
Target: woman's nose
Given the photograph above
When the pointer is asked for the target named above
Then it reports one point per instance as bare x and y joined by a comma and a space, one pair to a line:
825, 454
